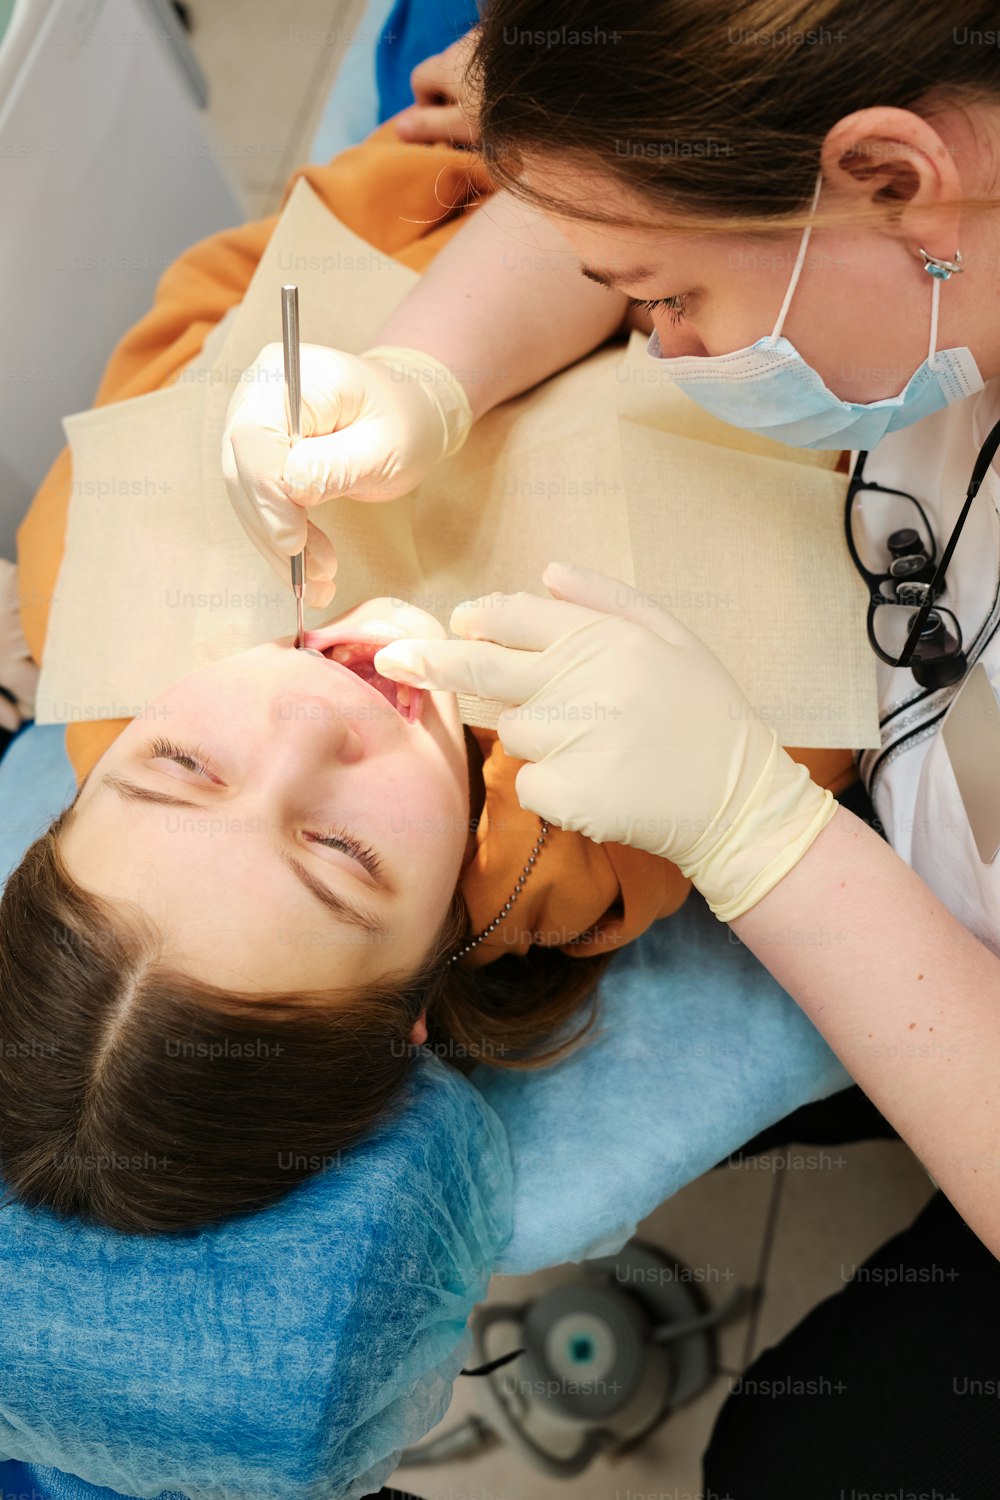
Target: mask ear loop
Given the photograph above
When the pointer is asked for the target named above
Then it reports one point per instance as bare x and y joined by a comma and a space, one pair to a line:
939, 270
935, 299
936, 279
799, 260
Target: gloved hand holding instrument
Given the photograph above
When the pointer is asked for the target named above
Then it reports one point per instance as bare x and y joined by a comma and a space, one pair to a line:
373, 426
633, 730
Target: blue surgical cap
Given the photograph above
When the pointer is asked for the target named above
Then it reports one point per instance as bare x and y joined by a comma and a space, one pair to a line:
292, 1353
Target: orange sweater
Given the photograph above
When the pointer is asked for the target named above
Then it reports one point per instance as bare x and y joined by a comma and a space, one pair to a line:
407, 200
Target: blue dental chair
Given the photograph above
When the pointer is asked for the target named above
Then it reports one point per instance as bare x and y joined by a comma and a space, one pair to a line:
295, 1353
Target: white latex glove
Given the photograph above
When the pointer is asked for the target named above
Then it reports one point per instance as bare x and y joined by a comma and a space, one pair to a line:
634, 731
373, 426
18, 673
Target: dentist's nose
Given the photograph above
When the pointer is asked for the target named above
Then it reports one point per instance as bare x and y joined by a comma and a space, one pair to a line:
677, 341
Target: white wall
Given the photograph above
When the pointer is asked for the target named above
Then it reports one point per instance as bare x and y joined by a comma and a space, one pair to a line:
106, 175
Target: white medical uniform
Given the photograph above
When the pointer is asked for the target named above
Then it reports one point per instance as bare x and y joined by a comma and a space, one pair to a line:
910, 780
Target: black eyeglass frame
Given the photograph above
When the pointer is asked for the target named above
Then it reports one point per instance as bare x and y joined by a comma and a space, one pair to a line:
937, 583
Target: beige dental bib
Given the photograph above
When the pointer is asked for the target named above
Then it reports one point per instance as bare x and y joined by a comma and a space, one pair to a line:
606, 465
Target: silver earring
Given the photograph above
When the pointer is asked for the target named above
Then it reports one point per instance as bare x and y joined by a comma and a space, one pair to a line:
942, 269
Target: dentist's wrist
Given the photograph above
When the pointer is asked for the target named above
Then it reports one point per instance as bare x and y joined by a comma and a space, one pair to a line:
437, 383
781, 818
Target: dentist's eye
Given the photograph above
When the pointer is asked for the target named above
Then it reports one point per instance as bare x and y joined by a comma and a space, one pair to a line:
677, 306
339, 838
191, 760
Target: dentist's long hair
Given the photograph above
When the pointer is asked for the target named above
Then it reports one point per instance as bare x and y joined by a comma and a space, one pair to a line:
712, 112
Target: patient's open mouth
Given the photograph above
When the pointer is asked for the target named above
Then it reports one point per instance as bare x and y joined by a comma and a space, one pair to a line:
357, 657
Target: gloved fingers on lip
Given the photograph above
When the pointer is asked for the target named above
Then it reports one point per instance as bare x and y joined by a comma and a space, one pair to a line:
406, 700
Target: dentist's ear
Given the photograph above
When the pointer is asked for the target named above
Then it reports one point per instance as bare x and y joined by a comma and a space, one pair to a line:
895, 161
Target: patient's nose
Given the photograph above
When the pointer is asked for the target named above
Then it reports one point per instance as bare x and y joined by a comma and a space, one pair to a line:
317, 728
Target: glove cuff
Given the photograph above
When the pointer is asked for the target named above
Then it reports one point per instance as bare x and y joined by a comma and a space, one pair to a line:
440, 386
784, 814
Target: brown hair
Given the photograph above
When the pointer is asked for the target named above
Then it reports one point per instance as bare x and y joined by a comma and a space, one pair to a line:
137, 1097
714, 111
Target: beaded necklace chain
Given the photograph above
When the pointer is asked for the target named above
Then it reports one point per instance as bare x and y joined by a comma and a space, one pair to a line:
501, 914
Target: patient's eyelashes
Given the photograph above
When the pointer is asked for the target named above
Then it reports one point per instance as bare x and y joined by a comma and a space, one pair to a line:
339, 838
193, 760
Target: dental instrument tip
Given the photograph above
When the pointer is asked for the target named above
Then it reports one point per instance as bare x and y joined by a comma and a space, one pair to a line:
298, 588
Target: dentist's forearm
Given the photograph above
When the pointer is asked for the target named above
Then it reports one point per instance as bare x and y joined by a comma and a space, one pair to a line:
905, 995
503, 305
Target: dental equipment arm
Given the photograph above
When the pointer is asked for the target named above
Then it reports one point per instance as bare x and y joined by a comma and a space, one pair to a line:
634, 733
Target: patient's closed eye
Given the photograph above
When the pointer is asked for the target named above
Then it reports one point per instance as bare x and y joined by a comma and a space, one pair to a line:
193, 760
338, 838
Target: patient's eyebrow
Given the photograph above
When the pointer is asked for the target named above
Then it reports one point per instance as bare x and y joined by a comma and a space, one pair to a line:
354, 914
357, 916
134, 792
613, 279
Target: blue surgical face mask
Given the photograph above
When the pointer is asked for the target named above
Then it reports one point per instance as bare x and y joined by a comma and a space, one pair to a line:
769, 389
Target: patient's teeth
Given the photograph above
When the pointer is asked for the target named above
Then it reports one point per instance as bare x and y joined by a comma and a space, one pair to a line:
403, 698
341, 653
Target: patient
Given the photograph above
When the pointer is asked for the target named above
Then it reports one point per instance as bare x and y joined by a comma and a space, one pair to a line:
186, 1032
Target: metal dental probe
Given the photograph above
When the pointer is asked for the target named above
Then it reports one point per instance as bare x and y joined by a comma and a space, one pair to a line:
293, 398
